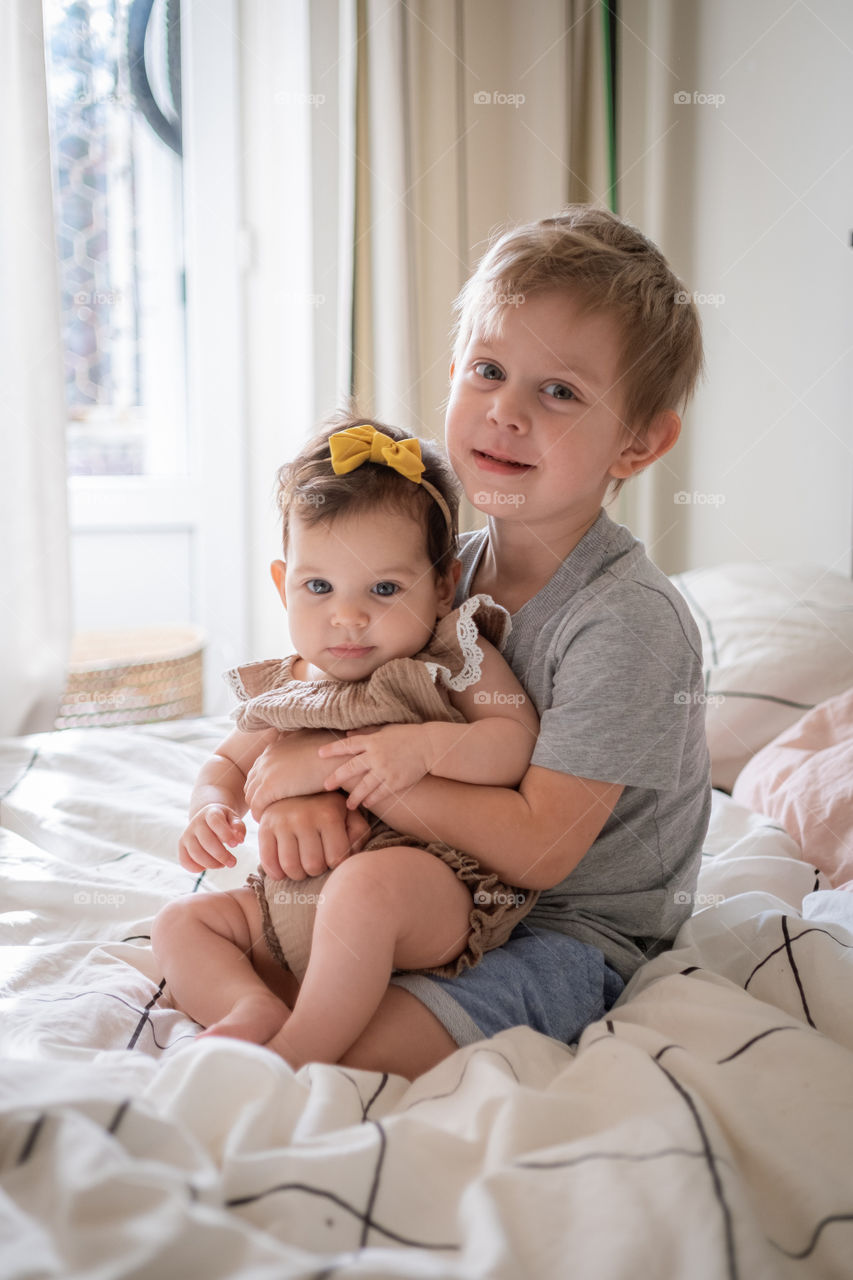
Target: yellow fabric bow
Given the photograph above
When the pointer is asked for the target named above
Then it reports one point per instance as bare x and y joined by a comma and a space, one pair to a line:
356, 445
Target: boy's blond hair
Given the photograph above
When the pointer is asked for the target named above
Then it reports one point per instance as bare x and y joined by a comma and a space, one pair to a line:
608, 266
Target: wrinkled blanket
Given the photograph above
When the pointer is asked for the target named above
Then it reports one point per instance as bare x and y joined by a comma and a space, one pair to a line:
704, 1129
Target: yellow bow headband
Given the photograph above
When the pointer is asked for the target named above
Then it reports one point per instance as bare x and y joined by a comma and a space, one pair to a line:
356, 445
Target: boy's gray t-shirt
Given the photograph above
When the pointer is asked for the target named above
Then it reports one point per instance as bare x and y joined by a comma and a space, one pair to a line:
611, 657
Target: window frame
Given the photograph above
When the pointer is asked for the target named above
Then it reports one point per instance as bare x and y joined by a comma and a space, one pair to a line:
209, 501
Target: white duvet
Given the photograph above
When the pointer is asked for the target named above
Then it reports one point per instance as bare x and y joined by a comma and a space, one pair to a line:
705, 1129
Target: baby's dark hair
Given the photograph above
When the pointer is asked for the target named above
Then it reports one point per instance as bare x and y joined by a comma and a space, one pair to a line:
308, 486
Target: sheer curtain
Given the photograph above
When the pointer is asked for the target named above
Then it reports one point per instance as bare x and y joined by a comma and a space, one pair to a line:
34, 572
468, 115
657, 194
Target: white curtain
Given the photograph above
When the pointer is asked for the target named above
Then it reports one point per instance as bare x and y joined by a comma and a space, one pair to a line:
655, 189
468, 115
34, 572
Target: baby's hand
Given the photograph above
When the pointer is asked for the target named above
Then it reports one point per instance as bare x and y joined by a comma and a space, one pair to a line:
380, 765
210, 830
287, 768
307, 835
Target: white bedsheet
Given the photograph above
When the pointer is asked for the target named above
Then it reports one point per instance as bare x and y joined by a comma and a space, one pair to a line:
705, 1129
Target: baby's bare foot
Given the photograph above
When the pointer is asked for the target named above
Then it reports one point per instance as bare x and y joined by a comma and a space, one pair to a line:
255, 1018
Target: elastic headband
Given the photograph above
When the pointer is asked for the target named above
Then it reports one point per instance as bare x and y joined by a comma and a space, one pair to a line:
356, 445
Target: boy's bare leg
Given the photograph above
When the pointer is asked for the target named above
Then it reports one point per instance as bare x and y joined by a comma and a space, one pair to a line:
388, 908
209, 947
403, 1037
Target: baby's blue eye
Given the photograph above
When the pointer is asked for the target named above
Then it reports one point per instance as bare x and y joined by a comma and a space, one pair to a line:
386, 588
560, 391
487, 370
318, 586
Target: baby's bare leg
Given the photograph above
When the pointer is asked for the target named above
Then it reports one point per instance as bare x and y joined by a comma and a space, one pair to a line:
397, 908
206, 944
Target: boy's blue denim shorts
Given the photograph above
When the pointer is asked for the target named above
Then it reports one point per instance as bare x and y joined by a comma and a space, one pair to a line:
538, 978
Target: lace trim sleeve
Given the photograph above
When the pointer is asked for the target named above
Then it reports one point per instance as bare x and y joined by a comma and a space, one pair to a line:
468, 637
234, 680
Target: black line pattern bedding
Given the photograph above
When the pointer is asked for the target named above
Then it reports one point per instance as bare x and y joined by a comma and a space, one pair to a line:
704, 1130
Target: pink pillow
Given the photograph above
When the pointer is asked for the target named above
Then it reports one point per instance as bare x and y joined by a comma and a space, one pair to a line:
804, 779
777, 639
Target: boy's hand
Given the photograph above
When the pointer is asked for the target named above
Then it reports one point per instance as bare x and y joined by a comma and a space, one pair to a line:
307, 835
380, 765
287, 768
210, 830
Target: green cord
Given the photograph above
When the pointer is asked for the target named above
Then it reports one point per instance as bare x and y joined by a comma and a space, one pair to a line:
607, 13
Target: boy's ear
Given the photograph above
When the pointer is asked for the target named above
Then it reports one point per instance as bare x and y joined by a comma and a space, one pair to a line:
447, 588
278, 569
637, 454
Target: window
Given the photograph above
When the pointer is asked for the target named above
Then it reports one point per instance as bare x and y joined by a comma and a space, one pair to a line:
185, 258
119, 236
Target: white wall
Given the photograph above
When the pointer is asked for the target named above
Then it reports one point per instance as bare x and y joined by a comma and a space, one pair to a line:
280, 301
758, 219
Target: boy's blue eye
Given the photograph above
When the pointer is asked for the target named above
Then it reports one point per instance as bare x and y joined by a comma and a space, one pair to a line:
560, 391
386, 588
487, 370
318, 586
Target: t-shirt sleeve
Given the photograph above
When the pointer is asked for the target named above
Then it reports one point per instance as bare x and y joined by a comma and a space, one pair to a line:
627, 681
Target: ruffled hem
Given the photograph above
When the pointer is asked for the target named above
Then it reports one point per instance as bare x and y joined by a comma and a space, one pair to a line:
257, 882
497, 626
497, 908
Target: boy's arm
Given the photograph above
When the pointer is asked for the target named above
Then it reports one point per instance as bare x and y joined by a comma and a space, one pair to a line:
289, 767
493, 747
496, 744
532, 837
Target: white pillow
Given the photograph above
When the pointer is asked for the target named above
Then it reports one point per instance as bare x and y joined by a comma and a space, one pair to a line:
776, 639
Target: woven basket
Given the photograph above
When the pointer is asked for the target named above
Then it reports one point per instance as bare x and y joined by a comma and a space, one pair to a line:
133, 677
